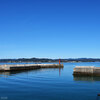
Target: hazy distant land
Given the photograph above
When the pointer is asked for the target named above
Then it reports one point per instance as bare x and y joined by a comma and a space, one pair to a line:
50, 60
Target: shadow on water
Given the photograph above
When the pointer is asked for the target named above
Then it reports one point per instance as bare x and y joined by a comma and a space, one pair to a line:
86, 78
11, 73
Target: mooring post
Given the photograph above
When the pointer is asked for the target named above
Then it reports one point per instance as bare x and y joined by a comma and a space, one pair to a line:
59, 61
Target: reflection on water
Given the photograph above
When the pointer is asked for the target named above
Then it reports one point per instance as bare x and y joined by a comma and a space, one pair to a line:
86, 78
49, 84
4, 74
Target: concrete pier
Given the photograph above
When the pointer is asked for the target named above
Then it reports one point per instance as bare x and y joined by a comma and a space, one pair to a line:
28, 66
86, 70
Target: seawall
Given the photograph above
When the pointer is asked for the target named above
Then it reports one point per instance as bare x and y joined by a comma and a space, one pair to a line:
86, 70
28, 66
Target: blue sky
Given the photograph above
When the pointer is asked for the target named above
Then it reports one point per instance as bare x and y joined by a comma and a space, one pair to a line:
49, 28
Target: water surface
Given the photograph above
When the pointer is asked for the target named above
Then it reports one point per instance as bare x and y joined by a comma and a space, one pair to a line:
49, 84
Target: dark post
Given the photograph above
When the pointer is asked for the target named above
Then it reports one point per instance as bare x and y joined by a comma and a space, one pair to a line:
59, 60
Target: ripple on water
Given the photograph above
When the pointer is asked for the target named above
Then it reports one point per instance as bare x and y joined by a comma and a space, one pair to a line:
49, 84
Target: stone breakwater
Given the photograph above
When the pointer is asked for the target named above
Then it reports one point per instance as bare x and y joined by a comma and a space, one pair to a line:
86, 70
28, 66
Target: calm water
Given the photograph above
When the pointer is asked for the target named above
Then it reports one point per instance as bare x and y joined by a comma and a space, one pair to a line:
49, 84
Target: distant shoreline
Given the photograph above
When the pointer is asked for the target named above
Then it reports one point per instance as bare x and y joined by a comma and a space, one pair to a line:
43, 60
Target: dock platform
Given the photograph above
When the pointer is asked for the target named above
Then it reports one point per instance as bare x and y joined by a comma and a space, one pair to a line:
28, 66
86, 71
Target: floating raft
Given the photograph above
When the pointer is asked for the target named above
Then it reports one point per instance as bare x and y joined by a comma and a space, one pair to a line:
28, 66
86, 70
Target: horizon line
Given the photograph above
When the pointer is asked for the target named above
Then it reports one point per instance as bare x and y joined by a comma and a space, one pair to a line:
52, 58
